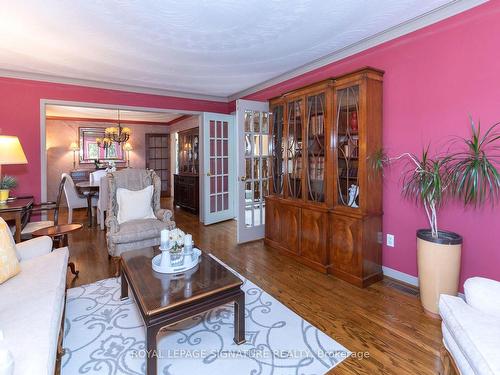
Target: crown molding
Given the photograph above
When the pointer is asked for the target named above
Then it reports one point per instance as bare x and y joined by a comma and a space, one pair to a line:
108, 85
426, 19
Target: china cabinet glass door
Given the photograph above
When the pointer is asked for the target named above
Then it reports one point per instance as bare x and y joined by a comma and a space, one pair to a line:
277, 149
294, 149
315, 134
348, 146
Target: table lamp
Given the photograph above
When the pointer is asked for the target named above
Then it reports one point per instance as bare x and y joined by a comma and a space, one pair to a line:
74, 147
128, 147
11, 152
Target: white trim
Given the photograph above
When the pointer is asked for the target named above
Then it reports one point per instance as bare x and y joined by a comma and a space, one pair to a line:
43, 140
401, 276
426, 19
109, 85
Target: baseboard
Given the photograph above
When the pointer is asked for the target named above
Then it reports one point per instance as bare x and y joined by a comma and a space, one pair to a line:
405, 278
401, 276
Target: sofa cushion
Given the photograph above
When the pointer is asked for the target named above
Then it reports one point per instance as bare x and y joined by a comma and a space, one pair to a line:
138, 230
475, 333
9, 264
31, 307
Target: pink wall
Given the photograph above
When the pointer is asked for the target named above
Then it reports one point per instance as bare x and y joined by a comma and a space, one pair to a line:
20, 115
433, 79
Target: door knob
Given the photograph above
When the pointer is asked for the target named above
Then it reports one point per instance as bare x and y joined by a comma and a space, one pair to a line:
243, 178
209, 174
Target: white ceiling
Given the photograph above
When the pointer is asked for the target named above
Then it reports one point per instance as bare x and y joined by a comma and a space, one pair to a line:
208, 47
105, 113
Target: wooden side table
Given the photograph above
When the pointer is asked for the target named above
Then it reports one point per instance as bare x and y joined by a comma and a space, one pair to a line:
59, 234
17, 210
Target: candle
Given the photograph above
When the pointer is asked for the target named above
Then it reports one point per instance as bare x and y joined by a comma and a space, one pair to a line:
188, 240
164, 238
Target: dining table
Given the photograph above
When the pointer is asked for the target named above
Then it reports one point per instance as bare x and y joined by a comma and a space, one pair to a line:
89, 190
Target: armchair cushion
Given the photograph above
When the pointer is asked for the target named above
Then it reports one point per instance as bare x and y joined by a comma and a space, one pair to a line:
9, 264
34, 248
483, 294
139, 230
133, 205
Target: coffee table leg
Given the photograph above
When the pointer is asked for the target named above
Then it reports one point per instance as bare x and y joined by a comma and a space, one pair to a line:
152, 351
124, 283
239, 319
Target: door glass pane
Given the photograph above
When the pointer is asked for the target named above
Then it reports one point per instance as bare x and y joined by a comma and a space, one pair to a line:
219, 186
294, 149
256, 139
347, 146
315, 147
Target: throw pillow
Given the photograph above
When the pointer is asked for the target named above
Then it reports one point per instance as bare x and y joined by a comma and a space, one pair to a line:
9, 265
134, 205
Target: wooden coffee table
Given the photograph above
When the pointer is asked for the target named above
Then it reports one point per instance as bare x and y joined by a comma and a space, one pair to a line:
165, 299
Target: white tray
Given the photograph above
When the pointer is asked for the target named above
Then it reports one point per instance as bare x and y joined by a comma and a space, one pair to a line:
188, 264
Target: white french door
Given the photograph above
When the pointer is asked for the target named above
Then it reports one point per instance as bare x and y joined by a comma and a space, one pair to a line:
253, 168
219, 167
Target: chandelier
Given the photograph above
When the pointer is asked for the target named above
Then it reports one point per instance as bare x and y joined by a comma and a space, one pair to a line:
114, 134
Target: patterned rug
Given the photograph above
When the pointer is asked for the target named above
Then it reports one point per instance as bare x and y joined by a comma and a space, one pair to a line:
104, 335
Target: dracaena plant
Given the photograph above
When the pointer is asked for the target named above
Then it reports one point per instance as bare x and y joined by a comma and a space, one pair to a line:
466, 172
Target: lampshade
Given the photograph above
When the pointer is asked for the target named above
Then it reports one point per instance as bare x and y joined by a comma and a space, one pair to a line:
11, 151
127, 147
74, 146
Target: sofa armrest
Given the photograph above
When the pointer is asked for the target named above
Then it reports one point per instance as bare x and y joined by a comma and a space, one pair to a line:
34, 248
483, 294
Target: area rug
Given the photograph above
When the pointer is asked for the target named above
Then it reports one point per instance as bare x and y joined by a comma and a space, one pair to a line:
104, 335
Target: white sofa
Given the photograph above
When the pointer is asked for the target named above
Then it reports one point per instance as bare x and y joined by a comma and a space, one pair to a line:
471, 328
32, 305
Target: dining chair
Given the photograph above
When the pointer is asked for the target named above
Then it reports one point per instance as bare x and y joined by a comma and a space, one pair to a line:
73, 199
96, 176
45, 207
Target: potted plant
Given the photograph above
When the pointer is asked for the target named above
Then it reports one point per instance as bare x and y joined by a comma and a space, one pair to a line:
467, 172
6, 183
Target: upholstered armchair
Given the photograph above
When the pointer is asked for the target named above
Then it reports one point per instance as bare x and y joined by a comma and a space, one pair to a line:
138, 233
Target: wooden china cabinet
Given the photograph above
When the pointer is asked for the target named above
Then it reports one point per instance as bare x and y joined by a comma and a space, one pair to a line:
186, 182
325, 202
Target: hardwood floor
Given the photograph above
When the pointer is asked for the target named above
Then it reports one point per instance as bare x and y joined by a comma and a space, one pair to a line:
384, 320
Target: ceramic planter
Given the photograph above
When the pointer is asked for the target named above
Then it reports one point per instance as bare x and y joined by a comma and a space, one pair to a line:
4, 195
438, 266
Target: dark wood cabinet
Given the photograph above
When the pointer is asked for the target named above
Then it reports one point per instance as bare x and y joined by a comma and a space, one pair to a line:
186, 183
325, 202
186, 192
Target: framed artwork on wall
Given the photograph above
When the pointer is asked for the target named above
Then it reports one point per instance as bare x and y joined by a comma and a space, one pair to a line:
90, 150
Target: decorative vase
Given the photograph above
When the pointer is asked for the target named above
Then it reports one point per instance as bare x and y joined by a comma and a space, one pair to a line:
4, 195
353, 121
438, 267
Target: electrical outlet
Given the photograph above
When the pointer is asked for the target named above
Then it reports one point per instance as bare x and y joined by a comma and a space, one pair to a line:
390, 240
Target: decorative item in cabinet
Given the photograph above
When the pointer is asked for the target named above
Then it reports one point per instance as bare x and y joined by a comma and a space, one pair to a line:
189, 142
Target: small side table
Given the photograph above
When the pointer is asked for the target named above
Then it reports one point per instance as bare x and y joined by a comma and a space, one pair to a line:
59, 234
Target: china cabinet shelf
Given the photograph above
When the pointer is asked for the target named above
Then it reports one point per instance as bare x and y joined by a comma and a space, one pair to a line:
325, 203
